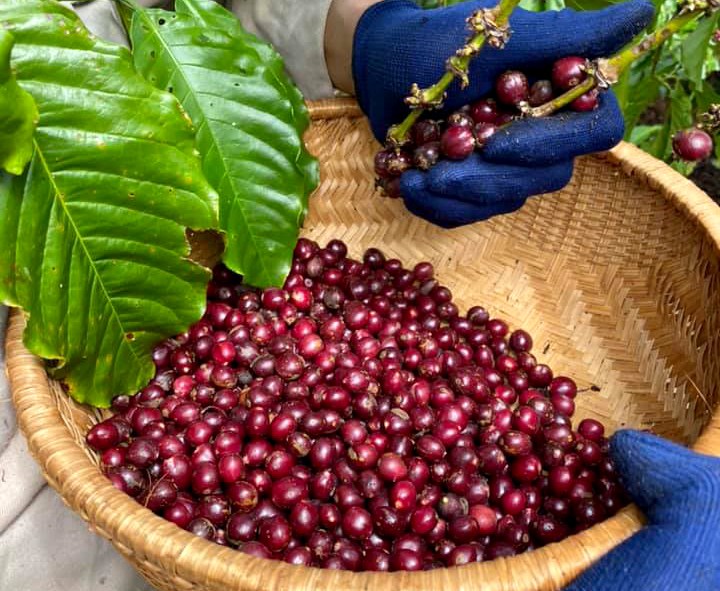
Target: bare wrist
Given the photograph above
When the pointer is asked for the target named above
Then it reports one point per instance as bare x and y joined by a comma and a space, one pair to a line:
342, 21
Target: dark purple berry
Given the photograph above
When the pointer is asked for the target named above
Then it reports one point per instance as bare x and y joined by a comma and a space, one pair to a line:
457, 142
540, 92
568, 72
426, 155
586, 102
511, 87
483, 132
692, 145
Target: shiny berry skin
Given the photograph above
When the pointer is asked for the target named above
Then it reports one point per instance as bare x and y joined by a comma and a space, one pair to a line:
376, 560
392, 467
459, 118
398, 162
243, 496
457, 142
586, 102
288, 491
591, 429
561, 480
103, 436
403, 496
526, 420
274, 533
381, 163
304, 518
205, 479
388, 521
426, 155
357, 523
355, 420
463, 529
692, 145
526, 468
568, 72
540, 92
513, 502
425, 131
423, 520
515, 443
483, 132
511, 87
540, 375
484, 111
485, 517
589, 452
564, 386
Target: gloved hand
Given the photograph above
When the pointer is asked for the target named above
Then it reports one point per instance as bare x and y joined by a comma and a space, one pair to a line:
679, 492
396, 43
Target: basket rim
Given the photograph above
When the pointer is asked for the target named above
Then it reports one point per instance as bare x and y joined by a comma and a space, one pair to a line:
152, 540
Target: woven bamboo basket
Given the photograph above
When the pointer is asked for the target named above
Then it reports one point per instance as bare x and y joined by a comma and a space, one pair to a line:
616, 276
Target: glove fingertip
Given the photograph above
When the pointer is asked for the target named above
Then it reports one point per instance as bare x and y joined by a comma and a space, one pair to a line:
411, 182
547, 140
627, 443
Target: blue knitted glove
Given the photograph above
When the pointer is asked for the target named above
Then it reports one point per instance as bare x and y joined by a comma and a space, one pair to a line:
396, 43
679, 492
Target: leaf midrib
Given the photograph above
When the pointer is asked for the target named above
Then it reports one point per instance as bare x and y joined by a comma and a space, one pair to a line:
179, 69
56, 196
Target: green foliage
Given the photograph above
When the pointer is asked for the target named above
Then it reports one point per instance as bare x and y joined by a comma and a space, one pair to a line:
437, 3
250, 119
93, 235
18, 114
94, 231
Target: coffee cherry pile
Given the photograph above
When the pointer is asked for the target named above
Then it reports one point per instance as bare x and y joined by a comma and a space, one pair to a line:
692, 145
356, 420
471, 127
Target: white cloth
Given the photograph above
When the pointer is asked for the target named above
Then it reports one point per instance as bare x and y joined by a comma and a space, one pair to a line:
44, 546
295, 27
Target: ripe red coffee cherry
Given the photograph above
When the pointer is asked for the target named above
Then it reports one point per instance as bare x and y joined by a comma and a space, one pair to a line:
484, 111
460, 118
511, 87
692, 145
372, 427
586, 102
391, 187
483, 132
568, 72
389, 163
425, 131
426, 155
540, 92
457, 142
399, 162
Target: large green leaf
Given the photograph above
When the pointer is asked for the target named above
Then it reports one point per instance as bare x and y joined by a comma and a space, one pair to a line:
705, 97
681, 117
641, 92
18, 114
554, 4
93, 243
695, 49
250, 119
532, 5
642, 134
590, 4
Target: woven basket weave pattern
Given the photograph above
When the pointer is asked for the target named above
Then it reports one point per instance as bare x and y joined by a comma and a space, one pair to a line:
616, 277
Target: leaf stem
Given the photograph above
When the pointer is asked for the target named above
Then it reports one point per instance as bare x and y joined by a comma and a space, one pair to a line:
622, 60
432, 97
